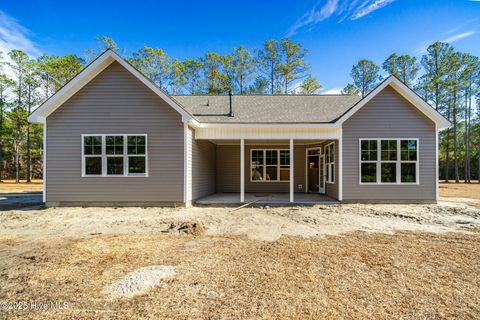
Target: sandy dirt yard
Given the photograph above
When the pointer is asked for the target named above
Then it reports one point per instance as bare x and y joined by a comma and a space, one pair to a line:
327, 261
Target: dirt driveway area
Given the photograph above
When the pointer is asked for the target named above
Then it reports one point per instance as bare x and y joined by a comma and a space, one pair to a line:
336, 261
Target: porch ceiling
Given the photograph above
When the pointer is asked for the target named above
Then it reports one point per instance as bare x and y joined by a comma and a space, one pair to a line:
268, 142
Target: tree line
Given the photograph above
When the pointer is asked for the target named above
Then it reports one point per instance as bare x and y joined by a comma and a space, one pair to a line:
447, 79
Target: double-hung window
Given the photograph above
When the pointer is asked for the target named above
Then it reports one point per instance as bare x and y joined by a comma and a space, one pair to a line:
270, 165
330, 163
114, 155
388, 161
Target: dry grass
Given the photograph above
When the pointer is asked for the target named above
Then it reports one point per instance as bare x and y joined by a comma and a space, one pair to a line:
461, 190
359, 275
9, 186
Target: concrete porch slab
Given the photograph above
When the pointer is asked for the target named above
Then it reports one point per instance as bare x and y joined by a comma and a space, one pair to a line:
266, 198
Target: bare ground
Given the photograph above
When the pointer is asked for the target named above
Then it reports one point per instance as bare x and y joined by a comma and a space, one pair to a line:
339, 261
10, 186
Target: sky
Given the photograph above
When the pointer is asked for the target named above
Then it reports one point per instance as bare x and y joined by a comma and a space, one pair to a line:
336, 33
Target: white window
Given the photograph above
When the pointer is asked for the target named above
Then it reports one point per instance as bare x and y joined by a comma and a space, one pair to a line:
114, 155
388, 161
330, 163
269, 165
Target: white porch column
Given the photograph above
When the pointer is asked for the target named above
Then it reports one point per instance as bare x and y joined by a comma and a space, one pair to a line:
340, 167
242, 170
291, 170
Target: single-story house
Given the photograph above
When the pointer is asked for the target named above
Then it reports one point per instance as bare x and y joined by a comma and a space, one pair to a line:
112, 137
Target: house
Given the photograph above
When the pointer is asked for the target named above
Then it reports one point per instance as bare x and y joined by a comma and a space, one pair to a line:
112, 137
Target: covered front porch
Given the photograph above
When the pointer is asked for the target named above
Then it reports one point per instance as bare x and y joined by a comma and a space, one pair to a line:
266, 166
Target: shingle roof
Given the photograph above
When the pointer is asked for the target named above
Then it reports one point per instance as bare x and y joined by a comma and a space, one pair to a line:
267, 108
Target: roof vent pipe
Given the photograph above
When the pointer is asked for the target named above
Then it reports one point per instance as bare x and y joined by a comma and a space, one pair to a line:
230, 114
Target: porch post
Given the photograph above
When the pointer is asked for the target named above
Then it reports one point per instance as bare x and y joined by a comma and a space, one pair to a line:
291, 170
242, 170
340, 166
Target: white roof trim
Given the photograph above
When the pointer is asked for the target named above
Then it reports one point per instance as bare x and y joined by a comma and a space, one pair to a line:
234, 125
86, 75
408, 94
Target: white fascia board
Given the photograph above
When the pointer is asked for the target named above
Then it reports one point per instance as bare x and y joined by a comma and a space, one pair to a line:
90, 72
268, 125
408, 94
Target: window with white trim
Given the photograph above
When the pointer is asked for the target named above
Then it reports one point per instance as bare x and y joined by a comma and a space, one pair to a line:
114, 155
330, 163
269, 165
388, 161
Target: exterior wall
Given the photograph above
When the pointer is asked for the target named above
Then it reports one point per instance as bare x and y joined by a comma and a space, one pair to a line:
203, 168
389, 115
115, 102
228, 170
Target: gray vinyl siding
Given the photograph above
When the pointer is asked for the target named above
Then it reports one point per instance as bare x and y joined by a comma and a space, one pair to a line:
115, 102
389, 115
228, 170
203, 168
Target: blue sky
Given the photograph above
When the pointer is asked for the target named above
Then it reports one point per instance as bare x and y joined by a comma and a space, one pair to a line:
337, 33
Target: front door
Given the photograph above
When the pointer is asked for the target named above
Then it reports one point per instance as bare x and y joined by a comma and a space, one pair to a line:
315, 171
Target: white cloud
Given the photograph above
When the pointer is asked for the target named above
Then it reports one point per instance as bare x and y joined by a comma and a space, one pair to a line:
342, 9
422, 48
461, 26
365, 9
15, 36
459, 36
333, 91
314, 16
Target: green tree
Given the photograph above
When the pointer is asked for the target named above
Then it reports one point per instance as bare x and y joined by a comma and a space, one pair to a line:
351, 89
436, 63
268, 61
453, 82
365, 75
241, 67
178, 79
55, 71
403, 67
19, 65
104, 43
5, 84
193, 75
214, 66
32, 83
471, 70
310, 85
292, 66
153, 63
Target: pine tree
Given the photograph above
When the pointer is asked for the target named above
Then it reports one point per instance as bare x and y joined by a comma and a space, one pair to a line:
268, 60
365, 75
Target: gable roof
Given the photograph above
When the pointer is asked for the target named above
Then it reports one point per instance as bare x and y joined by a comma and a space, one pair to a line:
267, 108
89, 73
331, 110
408, 94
